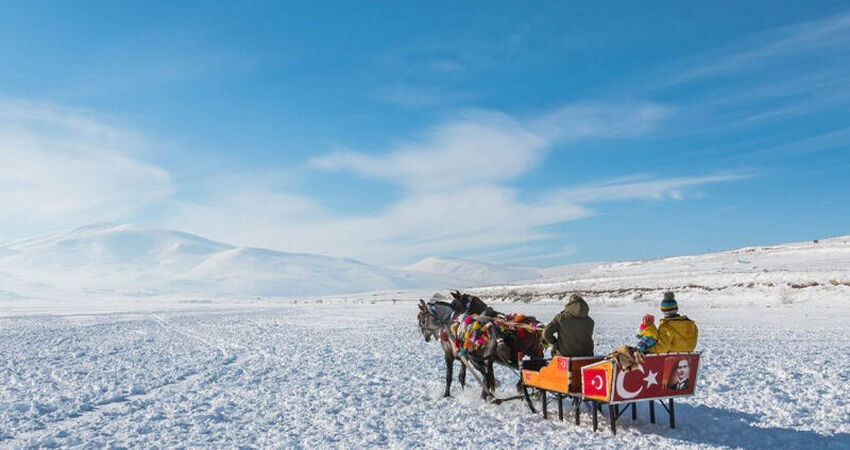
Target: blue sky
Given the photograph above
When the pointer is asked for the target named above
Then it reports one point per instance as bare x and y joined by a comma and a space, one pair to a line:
389, 132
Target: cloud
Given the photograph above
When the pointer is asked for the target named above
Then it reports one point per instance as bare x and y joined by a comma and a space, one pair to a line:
61, 167
488, 147
600, 120
669, 188
421, 224
768, 77
478, 147
457, 221
455, 180
800, 40
834, 140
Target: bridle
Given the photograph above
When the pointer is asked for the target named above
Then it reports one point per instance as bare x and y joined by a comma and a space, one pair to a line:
430, 323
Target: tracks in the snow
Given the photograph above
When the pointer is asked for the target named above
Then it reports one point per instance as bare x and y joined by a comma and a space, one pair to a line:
93, 415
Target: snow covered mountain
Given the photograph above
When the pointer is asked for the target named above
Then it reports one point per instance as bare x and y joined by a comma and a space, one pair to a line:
472, 273
109, 260
130, 260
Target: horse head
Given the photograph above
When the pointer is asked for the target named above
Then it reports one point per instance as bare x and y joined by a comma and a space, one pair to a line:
433, 318
425, 319
457, 301
465, 303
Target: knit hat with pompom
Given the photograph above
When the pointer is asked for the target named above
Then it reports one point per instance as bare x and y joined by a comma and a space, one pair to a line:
669, 306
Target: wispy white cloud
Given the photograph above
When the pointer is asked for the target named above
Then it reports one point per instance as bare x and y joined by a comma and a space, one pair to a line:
486, 147
769, 77
645, 189
806, 39
421, 224
458, 221
456, 197
479, 147
599, 120
62, 167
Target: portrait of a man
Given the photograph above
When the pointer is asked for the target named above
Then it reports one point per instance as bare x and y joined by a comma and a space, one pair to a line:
681, 380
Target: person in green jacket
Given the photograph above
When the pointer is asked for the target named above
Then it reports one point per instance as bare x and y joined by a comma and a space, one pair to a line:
571, 331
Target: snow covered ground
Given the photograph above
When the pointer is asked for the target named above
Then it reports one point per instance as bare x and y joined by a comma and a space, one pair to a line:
360, 376
776, 275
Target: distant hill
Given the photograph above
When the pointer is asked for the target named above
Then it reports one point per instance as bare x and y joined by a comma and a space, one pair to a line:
109, 259
129, 261
473, 273
769, 274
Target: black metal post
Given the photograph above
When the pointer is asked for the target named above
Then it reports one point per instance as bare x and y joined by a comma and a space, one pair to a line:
595, 419
612, 417
577, 406
560, 407
672, 415
652, 411
543, 404
528, 399
634, 410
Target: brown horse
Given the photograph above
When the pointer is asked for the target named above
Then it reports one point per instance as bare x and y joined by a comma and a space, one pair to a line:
505, 345
464, 303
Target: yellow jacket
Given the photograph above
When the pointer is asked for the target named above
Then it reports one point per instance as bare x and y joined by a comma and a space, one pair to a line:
678, 334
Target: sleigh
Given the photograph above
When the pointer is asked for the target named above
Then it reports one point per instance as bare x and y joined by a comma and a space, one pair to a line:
660, 378
600, 382
560, 376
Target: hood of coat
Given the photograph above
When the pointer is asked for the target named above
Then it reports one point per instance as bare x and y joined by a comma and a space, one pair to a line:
577, 308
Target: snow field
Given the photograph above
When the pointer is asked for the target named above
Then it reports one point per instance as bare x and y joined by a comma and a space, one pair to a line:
349, 376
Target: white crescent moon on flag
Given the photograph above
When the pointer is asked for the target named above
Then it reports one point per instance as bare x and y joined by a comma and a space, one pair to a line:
622, 390
595, 379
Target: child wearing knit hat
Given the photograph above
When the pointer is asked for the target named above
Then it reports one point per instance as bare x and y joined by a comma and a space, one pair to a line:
648, 335
676, 333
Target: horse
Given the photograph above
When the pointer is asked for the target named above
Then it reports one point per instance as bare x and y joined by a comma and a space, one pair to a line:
503, 346
435, 320
464, 303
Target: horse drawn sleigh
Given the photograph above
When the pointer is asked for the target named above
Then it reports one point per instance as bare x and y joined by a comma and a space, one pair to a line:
478, 337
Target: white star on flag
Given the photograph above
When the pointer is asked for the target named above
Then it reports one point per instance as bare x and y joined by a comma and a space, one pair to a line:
651, 378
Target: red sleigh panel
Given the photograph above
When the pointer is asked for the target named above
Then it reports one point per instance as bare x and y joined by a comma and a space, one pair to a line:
659, 377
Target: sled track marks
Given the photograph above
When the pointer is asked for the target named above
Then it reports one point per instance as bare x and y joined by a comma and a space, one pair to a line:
127, 381
97, 414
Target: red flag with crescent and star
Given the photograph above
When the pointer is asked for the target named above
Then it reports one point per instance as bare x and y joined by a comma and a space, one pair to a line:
595, 382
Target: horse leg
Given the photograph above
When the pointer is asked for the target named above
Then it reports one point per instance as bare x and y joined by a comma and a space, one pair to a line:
491, 378
486, 385
450, 364
462, 376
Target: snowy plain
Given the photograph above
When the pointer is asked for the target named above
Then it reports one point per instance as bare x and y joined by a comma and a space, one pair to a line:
352, 371
360, 375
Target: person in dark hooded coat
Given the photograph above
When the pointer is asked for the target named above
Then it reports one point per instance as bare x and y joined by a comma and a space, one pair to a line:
571, 331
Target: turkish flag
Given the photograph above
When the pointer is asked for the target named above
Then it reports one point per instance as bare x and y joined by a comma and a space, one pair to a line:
595, 382
563, 364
